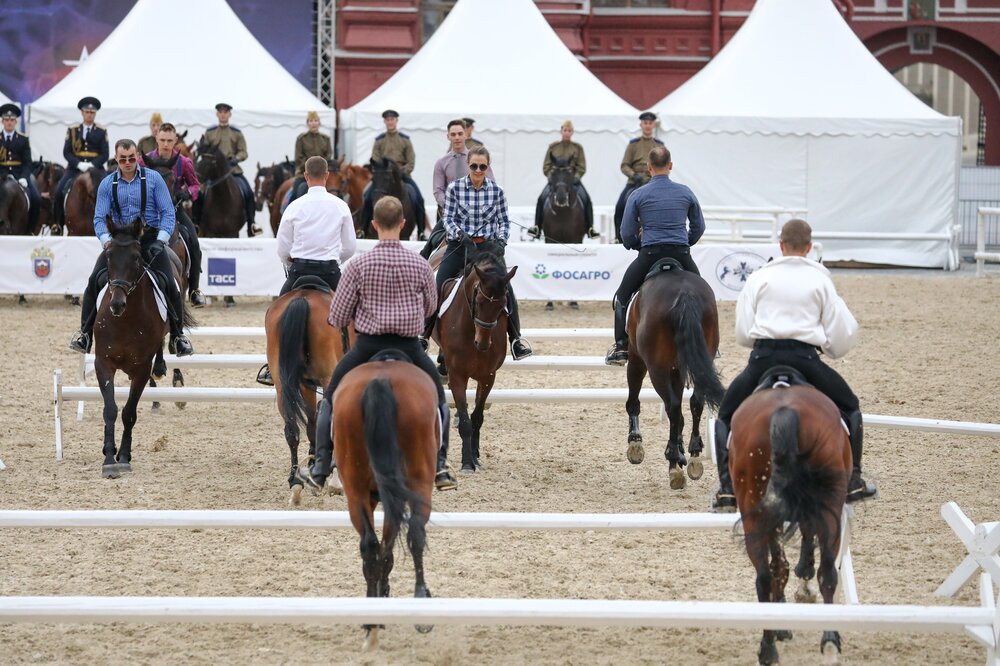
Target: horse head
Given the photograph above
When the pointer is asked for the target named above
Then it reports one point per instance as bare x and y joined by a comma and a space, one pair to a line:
211, 163
386, 178
562, 179
488, 298
125, 264
263, 186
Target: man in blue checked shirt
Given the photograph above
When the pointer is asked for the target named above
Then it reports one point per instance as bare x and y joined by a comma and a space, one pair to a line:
126, 194
475, 219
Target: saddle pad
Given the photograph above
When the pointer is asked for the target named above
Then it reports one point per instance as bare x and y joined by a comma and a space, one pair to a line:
628, 310
285, 200
161, 300
450, 298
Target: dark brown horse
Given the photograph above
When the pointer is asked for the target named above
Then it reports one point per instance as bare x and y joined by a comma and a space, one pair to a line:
302, 351
472, 334
673, 329
268, 180
81, 202
47, 175
13, 209
790, 459
387, 431
563, 217
128, 333
222, 205
387, 180
348, 181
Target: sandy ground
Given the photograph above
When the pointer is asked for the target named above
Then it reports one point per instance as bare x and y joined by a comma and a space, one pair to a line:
928, 350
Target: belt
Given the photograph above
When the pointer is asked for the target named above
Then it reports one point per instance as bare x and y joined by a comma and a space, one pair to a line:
478, 239
766, 343
316, 262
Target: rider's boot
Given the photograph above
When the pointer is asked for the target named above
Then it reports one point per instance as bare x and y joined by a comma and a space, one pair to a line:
618, 354
197, 298
194, 275
444, 479
725, 499
858, 488
88, 315
323, 468
264, 375
588, 210
429, 324
536, 230
519, 347
179, 343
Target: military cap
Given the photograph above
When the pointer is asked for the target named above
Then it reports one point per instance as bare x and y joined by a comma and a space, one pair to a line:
390, 113
10, 111
89, 104
647, 115
222, 106
469, 121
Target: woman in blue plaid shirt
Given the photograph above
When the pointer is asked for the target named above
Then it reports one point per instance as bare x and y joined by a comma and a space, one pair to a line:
475, 219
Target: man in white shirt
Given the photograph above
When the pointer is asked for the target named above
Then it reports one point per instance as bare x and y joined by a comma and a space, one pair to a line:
788, 312
316, 232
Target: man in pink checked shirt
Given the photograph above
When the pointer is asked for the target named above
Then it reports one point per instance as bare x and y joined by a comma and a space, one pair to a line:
387, 292
185, 189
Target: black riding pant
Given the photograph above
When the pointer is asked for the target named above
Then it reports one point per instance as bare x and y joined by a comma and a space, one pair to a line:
185, 227
620, 209
328, 271
159, 264
581, 192
649, 255
249, 205
437, 235
416, 199
59, 194
298, 188
363, 350
458, 256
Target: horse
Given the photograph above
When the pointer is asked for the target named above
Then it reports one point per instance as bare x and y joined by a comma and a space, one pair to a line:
128, 333
373, 405
47, 175
387, 180
563, 217
790, 459
81, 202
221, 204
472, 335
302, 352
673, 327
348, 181
268, 180
13, 208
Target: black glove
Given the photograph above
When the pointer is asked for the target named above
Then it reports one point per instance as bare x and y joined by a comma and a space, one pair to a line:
233, 162
637, 179
155, 248
183, 195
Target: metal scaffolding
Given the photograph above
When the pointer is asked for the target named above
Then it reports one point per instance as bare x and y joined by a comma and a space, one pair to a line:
325, 37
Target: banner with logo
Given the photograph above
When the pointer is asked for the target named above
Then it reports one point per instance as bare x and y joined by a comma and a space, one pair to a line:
250, 267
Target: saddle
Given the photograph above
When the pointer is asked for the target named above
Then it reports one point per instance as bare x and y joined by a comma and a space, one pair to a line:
391, 355
781, 376
312, 282
661, 265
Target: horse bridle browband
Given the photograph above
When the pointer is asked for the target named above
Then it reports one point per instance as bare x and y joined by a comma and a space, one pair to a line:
472, 307
125, 285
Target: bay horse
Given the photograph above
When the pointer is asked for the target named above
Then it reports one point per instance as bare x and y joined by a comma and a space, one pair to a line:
128, 333
13, 208
472, 335
673, 328
348, 181
47, 175
790, 460
302, 352
268, 180
563, 217
387, 180
387, 431
81, 202
222, 207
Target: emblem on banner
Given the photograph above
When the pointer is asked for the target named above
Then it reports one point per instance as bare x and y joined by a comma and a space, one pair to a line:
540, 272
41, 262
222, 272
734, 269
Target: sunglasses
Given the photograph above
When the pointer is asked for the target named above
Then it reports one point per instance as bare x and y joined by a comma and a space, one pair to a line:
478, 167
126, 160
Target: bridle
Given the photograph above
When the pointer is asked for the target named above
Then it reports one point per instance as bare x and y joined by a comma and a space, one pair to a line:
474, 302
125, 285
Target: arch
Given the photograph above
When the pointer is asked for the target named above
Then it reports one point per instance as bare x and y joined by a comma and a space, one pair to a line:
976, 63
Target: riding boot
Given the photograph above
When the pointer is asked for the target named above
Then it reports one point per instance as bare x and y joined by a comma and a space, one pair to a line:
858, 488
618, 354
179, 344
429, 324
33, 213
536, 230
725, 499
88, 315
315, 476
444, 479
519, 347
588, 214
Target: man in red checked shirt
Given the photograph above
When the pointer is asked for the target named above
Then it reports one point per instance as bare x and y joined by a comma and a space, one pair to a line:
387, 293
185, 188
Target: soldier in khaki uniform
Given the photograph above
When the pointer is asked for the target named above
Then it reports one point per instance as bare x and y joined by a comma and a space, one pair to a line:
470, 143
395, 146
147, 144
309, 144
233, 145
634, 164
559, 152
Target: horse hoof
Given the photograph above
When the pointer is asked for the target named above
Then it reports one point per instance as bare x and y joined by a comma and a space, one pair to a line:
155, 409
125, 468
110, 471
635, 452
783, 635
180, 405
695, 469
424, 628
768, 654
677, 480
805, 594
296, 497
549, 307
468, 468
831, 653
371, 641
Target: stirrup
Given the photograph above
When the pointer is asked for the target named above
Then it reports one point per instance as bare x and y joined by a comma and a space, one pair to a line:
80, 343
617, 355
264, 375
253, 230
535, 232
197, 298
519, 349
445, 479
423, 342
723, 502
593, 233
858, 489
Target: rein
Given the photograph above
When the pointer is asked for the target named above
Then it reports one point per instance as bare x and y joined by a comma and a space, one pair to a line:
477, 291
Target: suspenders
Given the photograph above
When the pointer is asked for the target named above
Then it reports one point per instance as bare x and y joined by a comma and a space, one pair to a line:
114, 195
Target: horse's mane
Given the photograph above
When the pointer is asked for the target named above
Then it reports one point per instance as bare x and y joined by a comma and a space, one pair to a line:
97, 174
491, 266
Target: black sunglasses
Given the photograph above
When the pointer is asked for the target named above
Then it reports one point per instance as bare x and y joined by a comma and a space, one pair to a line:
126, 160
478, 167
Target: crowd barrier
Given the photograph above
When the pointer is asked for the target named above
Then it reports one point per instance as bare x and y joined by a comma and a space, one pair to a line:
982, 256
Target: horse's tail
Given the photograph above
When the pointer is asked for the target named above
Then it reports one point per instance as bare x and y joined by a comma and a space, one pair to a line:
695, 362
293, 348
797, 490
378, 410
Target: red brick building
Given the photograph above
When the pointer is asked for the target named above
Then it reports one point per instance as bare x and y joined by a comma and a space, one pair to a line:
644, 49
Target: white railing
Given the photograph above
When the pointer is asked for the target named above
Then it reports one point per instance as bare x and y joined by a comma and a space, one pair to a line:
982, 256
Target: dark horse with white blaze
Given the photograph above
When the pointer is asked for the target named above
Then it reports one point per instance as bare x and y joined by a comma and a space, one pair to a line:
790, 460
472, 334
128, 333
673, 330
387, 180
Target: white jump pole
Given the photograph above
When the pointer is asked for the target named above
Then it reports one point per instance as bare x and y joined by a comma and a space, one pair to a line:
254, 332
982, 256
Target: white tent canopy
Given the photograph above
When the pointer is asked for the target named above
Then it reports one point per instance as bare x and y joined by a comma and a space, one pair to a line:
795, 112
4, 99
214, 58
502, 64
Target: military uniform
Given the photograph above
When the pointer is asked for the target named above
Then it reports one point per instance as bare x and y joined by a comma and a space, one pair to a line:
396, 146
146, 144
634, 168
473, 143
563, 152
233, 145
15, 162
82, 145
308, 144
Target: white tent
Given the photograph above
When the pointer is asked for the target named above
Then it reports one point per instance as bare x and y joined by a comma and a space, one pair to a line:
795, 112
4, 99
212, 58
500, 63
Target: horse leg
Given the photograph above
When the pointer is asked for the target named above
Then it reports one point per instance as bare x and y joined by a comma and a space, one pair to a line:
549, 307
310, 397
178, 382
670, 390
829, 547
757, 549
779, 578
229, 301
458, 386
636, 372
159, 371
129, 416
482, 392
362, 517
416, 540
106, 382
695, 469
386, 557
805, 570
